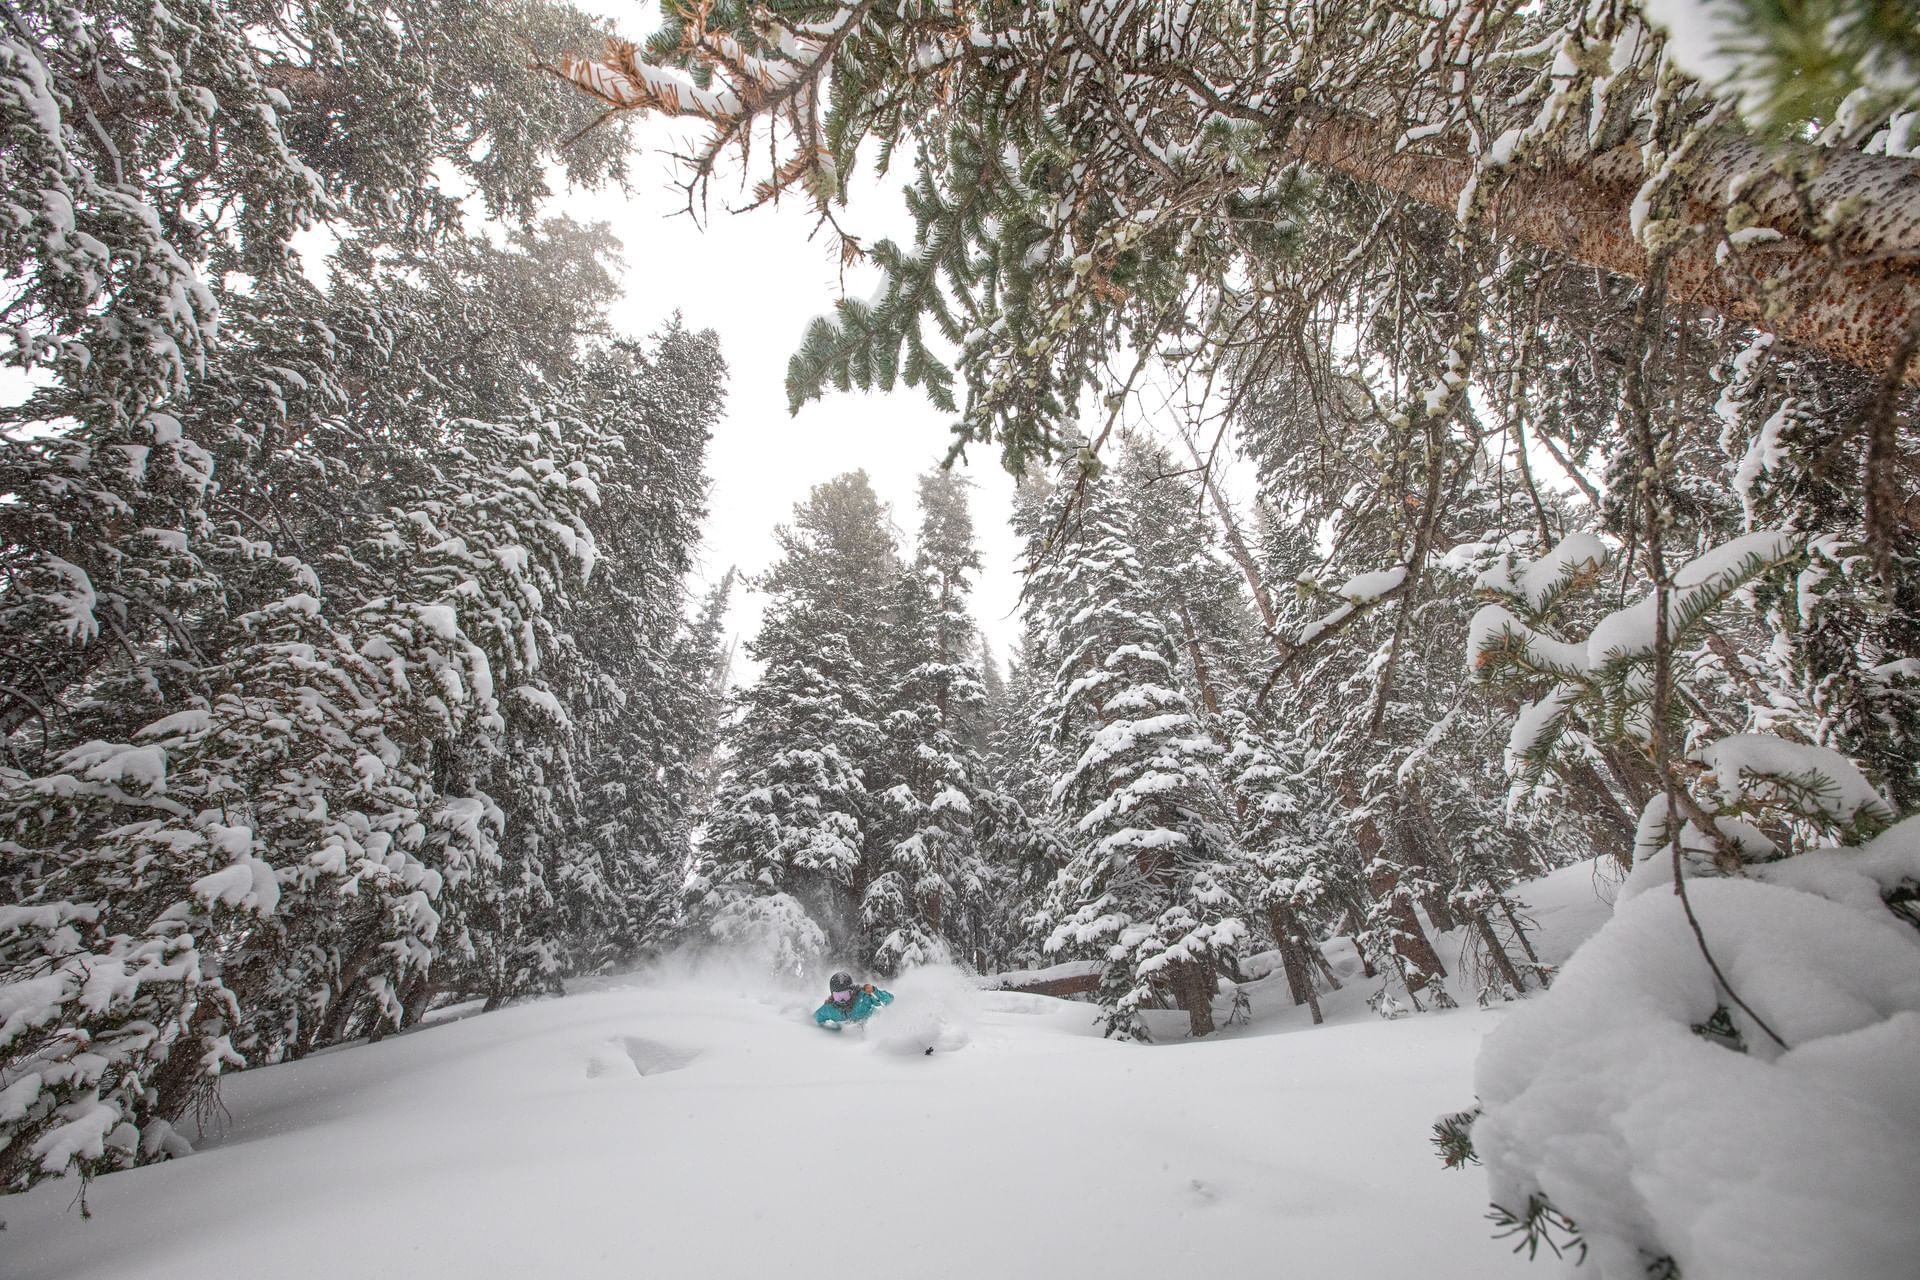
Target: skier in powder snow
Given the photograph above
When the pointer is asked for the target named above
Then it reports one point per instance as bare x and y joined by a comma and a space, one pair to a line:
848, 1003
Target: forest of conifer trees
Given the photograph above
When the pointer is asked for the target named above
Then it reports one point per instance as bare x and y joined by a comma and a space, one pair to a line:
340, 626
1573, 347
1453, 442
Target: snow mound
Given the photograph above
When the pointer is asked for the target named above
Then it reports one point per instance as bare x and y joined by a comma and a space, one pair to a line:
1017, 1002
1613, 1096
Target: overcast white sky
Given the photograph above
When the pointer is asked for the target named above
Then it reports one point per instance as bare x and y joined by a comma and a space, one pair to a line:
756, 279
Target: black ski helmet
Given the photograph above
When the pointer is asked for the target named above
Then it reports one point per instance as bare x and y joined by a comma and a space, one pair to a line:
840, 982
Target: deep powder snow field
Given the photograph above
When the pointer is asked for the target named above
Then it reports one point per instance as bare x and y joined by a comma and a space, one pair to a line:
683, 1125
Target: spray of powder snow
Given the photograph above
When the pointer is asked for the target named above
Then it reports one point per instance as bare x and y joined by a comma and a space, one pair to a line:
932, 1009
933, 1004
736, 968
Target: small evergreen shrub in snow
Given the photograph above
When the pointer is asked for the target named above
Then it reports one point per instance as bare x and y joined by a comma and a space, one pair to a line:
1453, 1138
1721, 1082
1662, 1123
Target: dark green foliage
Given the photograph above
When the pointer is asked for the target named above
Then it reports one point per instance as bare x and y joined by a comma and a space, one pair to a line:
1722, 1030
1538, 1225
1801, 60
1453, 1138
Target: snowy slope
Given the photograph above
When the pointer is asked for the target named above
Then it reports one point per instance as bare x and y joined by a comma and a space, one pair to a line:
668, 1126
1565, 908
1568, 906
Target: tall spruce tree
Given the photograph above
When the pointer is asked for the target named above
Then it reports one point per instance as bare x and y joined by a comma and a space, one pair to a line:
649, 696
790, 821
926, 895
1150, 889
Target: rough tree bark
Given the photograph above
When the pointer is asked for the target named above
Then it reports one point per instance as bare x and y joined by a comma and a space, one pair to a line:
1419, 838
1410, 941
1194, 989
1499, 953
1854, 294
1293, 944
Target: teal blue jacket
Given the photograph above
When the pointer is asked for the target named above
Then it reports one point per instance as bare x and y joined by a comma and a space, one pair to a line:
864, 1003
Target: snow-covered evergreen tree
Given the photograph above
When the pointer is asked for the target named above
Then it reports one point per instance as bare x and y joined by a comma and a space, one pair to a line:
925, 897
1150, 887
650, 693
289, 657
791, 818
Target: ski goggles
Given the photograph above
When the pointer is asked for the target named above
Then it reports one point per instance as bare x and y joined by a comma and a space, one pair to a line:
841, 997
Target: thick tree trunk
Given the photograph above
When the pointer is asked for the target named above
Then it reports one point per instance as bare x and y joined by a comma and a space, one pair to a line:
1854, 297
1208, 695
1520, 935
1318, 959
416, 1000
1193, 990
1591, 796
1293, 945
334, 1025
1854, 294
1499, 953
1410, 941
1367, 969
1420, 838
